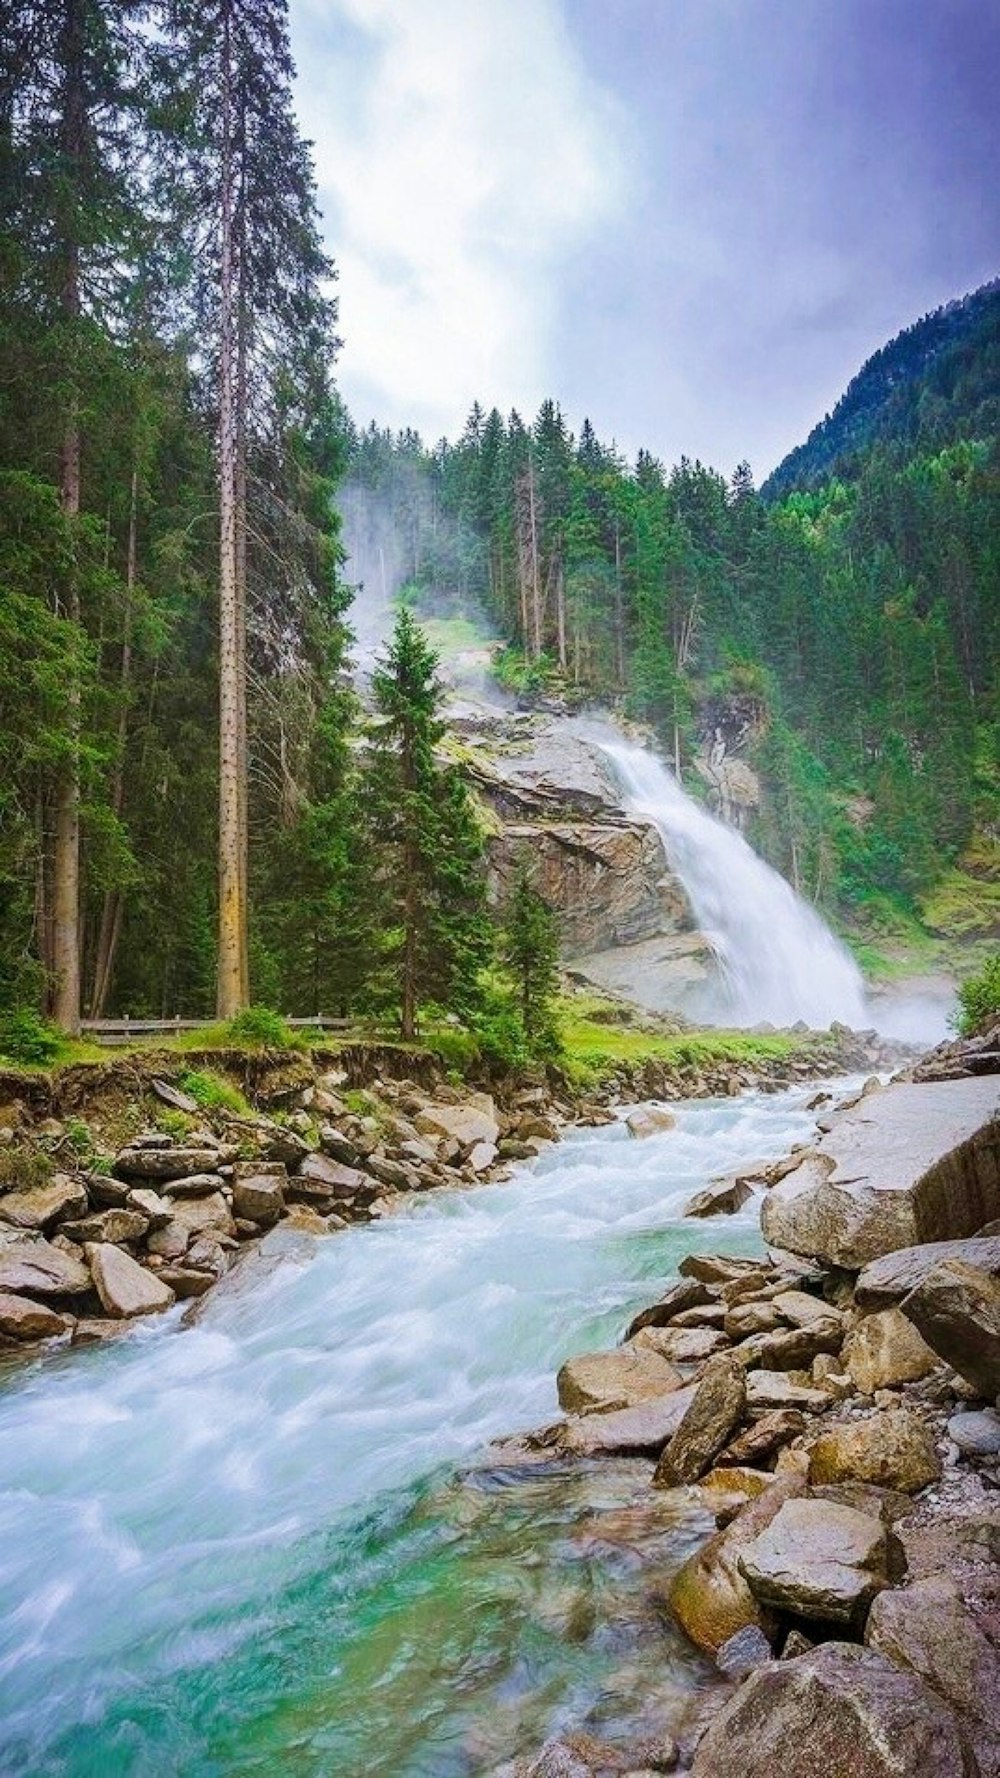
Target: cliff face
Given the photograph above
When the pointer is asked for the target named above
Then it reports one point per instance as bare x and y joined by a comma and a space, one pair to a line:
550, 799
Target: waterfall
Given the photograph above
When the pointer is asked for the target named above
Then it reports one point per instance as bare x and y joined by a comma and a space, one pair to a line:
778, 961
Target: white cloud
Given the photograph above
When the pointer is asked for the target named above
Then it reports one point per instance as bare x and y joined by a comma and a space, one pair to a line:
463, 154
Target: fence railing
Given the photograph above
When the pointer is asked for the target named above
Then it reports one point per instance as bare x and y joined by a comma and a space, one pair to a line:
123, 1030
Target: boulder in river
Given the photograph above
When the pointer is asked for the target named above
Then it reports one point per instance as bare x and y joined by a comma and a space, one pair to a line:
649, 1120
645, 1428
820, 1560
956, 1308
919, 1162
124, 1287
838, 1711
893, 1449
475, 1120
709, 1595
687, 1293
723, 1198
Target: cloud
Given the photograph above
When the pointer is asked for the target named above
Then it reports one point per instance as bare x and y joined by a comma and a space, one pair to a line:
464, 157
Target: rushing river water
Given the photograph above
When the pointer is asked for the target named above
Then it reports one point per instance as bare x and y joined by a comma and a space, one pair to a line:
249, 1547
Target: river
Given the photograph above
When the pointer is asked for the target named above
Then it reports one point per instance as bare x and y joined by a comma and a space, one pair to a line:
262, 1543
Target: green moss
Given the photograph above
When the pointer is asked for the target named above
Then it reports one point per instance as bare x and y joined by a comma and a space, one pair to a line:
213, 1092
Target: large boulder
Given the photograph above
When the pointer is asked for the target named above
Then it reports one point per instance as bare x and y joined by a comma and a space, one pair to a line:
124, 1287
883, 1350
820, 1560
887, 1280
21, 1319
39, 1206
838, 1711
956, 1309
931, 1629
709, 1595
168, 1163
723, 1198
649, 1120
600, 1382
32, 1266
919, 1162
715, 1411
893, 1449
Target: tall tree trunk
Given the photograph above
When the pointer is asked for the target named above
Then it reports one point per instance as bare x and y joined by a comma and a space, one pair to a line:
112, 909
561, 617
619, 613
232, 984
64, 989
536, 591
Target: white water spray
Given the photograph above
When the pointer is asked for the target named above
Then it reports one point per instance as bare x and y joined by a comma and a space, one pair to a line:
778, 961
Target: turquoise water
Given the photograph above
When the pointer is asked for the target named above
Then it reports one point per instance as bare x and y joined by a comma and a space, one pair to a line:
267, 1542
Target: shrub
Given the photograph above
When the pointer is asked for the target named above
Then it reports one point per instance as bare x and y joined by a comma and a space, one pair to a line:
212, 1092
24, 1037
259, 1028
22, 1169
979, 1000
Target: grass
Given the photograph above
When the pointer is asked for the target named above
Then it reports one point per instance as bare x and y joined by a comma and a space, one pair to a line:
213, 1092
450, 636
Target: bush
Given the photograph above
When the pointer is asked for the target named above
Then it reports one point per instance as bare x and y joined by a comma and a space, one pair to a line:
259, 1028
212, 1092
24, 1037
979, 1000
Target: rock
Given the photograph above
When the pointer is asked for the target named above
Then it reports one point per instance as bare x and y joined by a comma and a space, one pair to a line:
473, 1121
513, 1149
107, 1225
193, 1216
751, 1318
258, 1196
320, 1177
956, 1308
976, 1434
884, 1350
680, 1345
149, 1204
819, 1560
124, 1288
759, 1441
811, 1312
928, 1629
949, 1539
32, 1266
338, 1146
167, 1163
193, 1185
107, 1193
722, 1199
709, 1595
21, 1319
645, 1428
918, 1162
599, 1382
744, 1652
649, 1120
716, 1410
173, 1097
726, 1491
558, 1760
791, 1349
537, 1129
838, 1711
767, 1390
185, 1281
42, 1205
482, 1156
893, 1449
722, 1268
826, 1374
689, 1293
885, 1504
712, 1315
886, 1281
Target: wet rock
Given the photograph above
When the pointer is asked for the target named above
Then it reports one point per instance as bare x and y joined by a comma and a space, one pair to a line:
709, 1596
716, 1409
819, 1560
645, 1428
744, 1653
759, 1442
259, 1196
43, 1205
886, 1281
722, 1268
599, 1382
956, 1308
976, 1434
884, 1350
722, 1199
689, 1293
727, 1490
32, 1266
915, 1163
124, 1287
680, 1345
649, 1120
838, 1711
107, 1225
149, 1204
558, 1760
167, 1163
893, 1449
930, 1630
22, 1319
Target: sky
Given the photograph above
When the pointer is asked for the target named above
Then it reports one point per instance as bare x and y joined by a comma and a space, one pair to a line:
689, 220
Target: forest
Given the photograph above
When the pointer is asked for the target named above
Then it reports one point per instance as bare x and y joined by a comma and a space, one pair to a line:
195, 810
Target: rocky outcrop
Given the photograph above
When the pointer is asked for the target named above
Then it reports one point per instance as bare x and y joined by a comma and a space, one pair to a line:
944, 1629
956, 1309
917, 1163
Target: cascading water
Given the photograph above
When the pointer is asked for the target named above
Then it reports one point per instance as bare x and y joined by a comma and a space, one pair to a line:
778, 961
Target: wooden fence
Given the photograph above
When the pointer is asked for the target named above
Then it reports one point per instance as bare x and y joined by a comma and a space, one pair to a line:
117, 1031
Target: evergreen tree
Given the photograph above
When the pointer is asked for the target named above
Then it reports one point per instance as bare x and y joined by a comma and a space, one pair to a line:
530, 949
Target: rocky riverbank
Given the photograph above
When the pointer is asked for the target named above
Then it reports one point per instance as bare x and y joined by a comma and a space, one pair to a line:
833, 1405
129, 1185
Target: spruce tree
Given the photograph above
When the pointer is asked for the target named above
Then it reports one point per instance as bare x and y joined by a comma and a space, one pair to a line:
530, 949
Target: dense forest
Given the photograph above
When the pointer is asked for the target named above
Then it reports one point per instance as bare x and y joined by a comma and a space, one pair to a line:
187, 819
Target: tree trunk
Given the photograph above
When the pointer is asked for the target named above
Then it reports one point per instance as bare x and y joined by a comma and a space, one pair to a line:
111, 911
232, 984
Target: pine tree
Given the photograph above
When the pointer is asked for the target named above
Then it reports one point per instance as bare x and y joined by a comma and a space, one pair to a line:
530, 949
428, 858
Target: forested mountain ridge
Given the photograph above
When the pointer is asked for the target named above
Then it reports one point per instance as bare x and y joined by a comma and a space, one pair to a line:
937, 381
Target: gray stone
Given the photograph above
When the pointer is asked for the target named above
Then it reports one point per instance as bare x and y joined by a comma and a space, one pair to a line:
931, 1630
258, 1197
649, 1120
319, 1176
721, 1199
166, 1163
193, 1185
919, 1162
42, 1205
149, 1204
174, 1097
715, 1411
838, 1711
599, 1382
819, 1560
124, 1287
956, 1308
744, 1652
886, 1281
31, 1266
645, 1428
976, 1434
